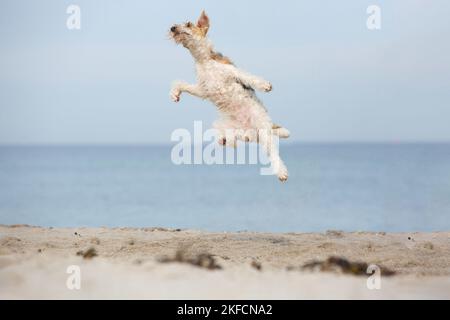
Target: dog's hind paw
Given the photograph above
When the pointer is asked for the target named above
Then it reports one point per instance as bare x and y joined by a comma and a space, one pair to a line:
281, 132
222, 141
283, 175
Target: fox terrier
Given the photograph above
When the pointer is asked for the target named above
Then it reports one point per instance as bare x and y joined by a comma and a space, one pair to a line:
242, 114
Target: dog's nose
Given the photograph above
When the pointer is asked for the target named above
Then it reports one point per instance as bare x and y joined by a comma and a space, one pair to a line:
173, 28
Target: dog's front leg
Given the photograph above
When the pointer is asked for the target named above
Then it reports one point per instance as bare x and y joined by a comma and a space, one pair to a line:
252, 81
180, 87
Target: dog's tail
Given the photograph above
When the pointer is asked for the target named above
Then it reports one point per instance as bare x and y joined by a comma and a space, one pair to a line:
280, 131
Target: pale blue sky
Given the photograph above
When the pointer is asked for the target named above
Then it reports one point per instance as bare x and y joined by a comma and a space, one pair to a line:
334, 80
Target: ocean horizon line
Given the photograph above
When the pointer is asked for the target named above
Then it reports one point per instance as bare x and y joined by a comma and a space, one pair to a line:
294, 143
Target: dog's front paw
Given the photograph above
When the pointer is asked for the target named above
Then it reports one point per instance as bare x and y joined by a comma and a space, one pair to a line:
175, 95
267, 87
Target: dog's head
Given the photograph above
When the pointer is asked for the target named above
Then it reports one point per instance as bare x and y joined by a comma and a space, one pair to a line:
191, 35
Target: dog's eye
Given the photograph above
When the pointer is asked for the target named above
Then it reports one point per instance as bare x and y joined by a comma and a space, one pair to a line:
189, 24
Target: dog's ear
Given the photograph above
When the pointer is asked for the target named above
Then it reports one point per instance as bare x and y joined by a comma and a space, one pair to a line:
203, 22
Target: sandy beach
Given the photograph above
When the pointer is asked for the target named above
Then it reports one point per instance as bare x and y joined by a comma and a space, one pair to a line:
159, 263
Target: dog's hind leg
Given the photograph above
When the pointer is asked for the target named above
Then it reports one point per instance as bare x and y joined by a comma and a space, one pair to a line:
266, 141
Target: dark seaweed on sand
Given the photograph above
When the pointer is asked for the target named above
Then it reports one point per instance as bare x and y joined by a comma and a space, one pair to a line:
203, 260
342, 265
88, 254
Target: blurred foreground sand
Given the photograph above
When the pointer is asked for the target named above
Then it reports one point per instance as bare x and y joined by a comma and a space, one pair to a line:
126, 264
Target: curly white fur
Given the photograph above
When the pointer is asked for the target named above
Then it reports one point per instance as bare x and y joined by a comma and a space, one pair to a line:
242, 114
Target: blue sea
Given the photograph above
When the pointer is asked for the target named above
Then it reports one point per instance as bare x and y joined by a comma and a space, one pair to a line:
350, 187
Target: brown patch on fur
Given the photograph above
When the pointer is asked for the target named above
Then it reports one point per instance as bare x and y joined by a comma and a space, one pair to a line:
198, 31
275, 126
202, 26
201, 32
220, 58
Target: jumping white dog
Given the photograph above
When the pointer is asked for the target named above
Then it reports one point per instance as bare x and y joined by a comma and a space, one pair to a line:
242, 114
